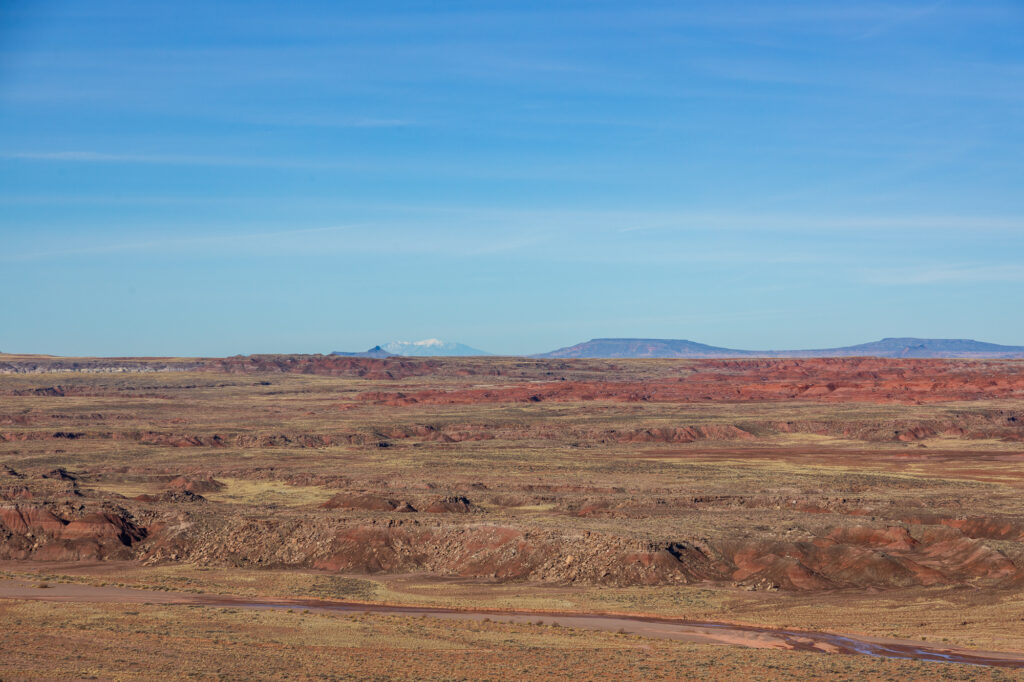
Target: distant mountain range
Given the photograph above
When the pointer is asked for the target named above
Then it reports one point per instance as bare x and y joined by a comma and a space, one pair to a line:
886, 348
426, 347
681, 348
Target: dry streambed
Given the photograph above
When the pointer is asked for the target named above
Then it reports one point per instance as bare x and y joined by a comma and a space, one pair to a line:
702, 632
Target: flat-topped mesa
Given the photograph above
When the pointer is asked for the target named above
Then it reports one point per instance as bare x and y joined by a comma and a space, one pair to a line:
903, 347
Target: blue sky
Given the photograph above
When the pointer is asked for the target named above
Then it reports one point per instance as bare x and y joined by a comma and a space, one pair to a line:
235, 177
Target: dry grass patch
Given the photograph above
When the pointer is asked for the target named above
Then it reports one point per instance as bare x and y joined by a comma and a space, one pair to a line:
260, 492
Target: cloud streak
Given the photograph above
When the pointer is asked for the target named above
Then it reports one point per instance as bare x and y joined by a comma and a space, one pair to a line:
945, 274
902, 17
170, 243
82, 156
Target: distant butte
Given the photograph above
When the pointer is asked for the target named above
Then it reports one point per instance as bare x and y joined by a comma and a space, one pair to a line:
375, 352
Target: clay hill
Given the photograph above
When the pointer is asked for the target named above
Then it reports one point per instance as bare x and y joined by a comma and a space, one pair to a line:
791, 474
905, 347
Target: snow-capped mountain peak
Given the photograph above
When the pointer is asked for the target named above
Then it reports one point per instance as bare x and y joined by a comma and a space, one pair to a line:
430, 347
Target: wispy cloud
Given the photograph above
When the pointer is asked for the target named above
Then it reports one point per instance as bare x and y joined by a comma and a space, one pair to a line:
393, 164
328, 121
825, 222
901, 16
166, 243
82, 156
945, 274
378, 238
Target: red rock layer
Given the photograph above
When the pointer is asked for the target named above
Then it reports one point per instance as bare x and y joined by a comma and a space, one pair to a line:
817, 379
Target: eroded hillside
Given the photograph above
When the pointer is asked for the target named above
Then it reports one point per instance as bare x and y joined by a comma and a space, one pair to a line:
797, 475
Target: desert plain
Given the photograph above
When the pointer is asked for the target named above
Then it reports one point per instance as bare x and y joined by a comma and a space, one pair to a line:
333, 517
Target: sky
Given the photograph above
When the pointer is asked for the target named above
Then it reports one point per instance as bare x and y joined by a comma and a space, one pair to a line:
198, 178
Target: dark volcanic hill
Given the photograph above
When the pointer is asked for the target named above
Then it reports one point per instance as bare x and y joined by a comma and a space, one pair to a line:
886, 348
375, 352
